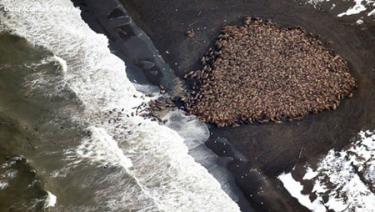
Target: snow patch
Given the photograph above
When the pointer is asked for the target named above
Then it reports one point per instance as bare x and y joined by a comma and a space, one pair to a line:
345, 178
295, 189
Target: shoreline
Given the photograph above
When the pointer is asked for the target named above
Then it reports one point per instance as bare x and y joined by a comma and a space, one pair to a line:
128, 42
271, 148
142, 66
354, 113
254, 154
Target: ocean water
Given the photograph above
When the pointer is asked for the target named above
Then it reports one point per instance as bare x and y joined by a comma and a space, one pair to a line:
70, 128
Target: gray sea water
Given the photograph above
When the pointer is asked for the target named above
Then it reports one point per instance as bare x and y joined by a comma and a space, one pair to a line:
70, 135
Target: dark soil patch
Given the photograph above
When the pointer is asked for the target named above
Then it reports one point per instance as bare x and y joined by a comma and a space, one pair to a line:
260, 72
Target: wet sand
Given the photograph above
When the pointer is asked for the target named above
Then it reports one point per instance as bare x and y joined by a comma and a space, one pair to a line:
273, 148
256, 154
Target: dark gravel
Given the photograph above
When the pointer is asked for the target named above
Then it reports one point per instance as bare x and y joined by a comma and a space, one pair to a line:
260, 72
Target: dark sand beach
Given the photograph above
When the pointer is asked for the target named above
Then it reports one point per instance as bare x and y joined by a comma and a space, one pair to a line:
255, 154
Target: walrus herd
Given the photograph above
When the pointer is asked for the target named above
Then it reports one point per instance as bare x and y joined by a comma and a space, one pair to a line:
261, 72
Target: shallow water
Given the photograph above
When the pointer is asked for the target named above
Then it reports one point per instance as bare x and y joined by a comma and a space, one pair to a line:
75, 120
21, 118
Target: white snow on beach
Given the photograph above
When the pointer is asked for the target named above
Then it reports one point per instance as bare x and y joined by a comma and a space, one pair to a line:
363, 8
295, 189
360, 6
345, 178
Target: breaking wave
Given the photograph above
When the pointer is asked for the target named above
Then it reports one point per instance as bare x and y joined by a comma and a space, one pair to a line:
164, 177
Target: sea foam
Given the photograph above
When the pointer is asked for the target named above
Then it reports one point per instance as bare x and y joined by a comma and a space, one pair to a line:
154, 156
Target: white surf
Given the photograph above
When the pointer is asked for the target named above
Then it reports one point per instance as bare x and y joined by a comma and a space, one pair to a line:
167, 178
